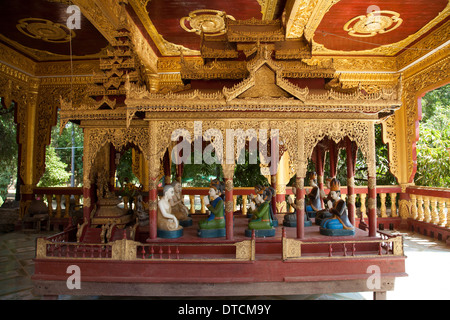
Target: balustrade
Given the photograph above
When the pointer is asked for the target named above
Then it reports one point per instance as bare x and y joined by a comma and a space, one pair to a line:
58, 200
425, 204
430, 205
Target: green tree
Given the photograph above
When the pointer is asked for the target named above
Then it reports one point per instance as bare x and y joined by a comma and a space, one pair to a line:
124, 169
55, 174
433, 162
8, 150
62, 143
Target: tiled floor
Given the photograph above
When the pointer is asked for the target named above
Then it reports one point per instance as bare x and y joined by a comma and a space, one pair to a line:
427, 267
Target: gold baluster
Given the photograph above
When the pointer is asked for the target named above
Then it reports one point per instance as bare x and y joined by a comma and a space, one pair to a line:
427, 212
192, 202
234, 202
58, 206
67, 204
393, 205
383, 205
363, 205
442, 217
434, 211
244, 204
203, 208
414, 206
50, 204
420, 212
448, 214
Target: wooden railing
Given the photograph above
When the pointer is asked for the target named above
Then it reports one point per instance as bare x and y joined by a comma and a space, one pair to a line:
60, 199
386, 195
426, 204
57, 247
430, 205
388, 245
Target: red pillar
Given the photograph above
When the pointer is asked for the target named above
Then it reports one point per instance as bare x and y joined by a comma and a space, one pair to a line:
300, 188
229, 208
350, 181
273, 184
88, 193
320, 154
153, 207
180, 168
167, 166
333, 158
372, 215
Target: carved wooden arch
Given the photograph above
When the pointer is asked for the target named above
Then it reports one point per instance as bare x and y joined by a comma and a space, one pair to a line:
313, 131
402, 127
96, 138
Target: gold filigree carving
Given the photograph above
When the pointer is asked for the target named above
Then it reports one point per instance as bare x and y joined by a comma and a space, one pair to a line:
211, 22
45, 30
375, 22
291, 248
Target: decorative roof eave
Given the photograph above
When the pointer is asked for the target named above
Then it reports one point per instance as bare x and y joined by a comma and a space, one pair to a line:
140, 100
79, 115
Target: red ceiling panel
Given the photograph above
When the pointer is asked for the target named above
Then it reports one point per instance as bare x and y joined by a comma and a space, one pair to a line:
415, 14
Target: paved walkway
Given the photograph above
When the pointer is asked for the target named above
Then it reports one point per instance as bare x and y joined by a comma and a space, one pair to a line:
427, 266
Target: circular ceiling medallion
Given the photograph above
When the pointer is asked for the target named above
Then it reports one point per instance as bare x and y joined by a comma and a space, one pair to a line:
376, 22
45, 30
211, 22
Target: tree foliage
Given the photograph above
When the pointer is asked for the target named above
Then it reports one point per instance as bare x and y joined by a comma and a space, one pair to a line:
62, 144
8, 150
56, 174
124, 171
433, 159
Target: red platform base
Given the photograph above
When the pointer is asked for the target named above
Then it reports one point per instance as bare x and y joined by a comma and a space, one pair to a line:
192, 268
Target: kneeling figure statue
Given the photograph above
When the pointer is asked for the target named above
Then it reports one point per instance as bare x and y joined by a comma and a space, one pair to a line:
261, 220
214, 225
168, 225
338, 224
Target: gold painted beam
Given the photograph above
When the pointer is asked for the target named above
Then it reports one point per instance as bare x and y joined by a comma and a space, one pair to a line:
107, 16
268, 8
298, 13
166, 48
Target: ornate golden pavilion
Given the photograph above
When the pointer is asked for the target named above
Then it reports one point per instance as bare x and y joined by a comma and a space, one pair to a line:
132, 72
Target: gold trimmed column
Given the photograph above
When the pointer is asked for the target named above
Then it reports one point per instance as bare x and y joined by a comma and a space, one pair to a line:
228, 173
300, 188
372, 181
301, 167
153, 168
88, 191
28, 147
282, 178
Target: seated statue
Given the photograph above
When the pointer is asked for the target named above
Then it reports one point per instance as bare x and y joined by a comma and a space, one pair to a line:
338, 224
214, 225
261, 219
325, 212
168, 225
177, 206
142, 214
314, 197
290, 219
107, 203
